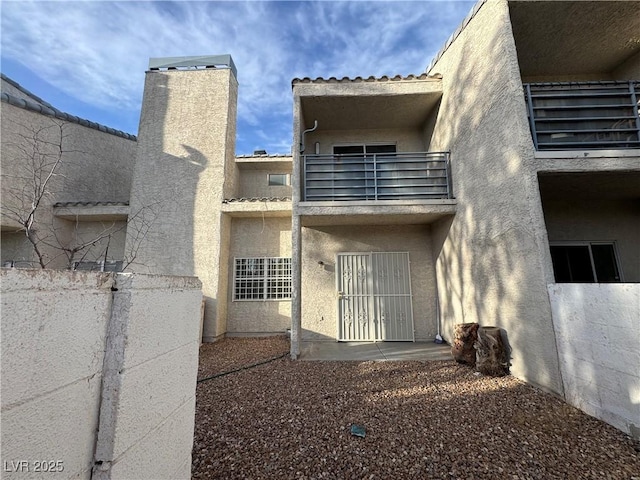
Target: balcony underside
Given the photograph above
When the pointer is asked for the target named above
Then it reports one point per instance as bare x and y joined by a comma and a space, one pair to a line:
315, 214
255, 207
368, 105
574, 37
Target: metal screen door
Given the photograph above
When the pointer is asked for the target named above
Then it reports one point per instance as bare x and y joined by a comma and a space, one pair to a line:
374, 297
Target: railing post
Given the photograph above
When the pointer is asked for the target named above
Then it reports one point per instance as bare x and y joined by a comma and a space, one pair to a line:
375, 177
532, 120
448, 173
303, 183
634, 101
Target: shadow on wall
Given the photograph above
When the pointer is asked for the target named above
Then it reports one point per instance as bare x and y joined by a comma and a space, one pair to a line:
488, 255
160, 236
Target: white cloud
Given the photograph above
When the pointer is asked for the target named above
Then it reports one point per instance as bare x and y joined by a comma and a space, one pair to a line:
97, 52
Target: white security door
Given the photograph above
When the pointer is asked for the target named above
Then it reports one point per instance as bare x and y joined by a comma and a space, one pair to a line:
374, 297
392, 296
355, 319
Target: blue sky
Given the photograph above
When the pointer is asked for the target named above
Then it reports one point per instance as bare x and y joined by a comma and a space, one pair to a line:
89, 58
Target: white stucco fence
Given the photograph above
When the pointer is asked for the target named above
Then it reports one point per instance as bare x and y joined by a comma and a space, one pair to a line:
86, 350
597, 329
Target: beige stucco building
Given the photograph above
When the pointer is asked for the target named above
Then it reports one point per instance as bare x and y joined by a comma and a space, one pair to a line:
407, 204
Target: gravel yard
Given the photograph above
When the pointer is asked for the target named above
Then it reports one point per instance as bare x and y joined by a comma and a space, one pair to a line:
288, 419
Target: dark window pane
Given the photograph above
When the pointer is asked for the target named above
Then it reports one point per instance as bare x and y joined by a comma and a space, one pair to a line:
572, 264
381, 149
604, 260
348, 149
580, 264
561, 270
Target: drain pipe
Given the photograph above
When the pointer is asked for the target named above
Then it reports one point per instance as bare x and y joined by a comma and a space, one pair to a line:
438, 338
308, 130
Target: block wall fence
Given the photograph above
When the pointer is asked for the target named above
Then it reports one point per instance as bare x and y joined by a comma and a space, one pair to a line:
597, 329
98, 374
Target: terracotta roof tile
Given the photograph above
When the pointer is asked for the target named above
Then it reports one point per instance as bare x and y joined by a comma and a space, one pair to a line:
271, 155
44, 108
384, 78
257, 199
91, 204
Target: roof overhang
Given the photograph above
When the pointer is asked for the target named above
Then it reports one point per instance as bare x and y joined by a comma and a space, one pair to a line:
92, 213
316, 214
574, 37
582, 186
355, 105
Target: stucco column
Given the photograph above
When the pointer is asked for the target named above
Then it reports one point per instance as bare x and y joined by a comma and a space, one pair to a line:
296, 297
185, 168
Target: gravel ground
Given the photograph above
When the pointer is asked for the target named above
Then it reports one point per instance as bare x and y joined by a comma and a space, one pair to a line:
423, 420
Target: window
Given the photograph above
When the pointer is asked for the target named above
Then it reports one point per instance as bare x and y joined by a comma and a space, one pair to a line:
262, 278
278, 179
585, 263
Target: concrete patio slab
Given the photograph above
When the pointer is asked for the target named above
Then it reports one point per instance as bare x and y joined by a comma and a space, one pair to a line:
381, 351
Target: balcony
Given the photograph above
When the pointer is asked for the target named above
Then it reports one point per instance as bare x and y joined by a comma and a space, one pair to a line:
376, 177
582, 116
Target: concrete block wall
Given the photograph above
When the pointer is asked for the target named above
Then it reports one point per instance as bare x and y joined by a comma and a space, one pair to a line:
151, 363
54, 327
98, 371
597, 330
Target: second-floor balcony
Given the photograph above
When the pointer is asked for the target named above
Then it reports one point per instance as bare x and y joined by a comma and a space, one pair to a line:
376, 177
584, 115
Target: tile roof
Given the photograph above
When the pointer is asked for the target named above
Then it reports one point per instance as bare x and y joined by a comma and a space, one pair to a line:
15, 84
384, 78
257, 199
44, 108
271, 155
91, 204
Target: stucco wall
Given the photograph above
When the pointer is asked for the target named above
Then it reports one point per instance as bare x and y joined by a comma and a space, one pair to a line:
185, 168
319, 300
255, 183
14, 246
7, 87
95, 167
103, 240
597, 333
490, 257
406, 140
258, 237
79, 356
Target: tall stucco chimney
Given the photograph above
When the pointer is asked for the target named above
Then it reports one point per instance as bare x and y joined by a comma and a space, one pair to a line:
185, 167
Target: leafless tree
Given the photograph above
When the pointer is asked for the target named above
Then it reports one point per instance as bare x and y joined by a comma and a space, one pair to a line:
35, 159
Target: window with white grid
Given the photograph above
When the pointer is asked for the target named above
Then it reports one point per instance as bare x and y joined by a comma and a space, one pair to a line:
262, 278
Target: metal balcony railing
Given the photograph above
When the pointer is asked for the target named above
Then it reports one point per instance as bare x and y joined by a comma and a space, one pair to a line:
381, 176
585, 115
